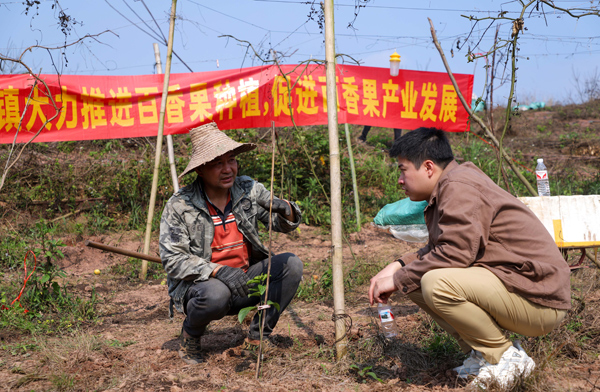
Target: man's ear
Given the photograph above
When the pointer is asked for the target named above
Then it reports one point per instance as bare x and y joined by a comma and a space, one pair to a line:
430, 167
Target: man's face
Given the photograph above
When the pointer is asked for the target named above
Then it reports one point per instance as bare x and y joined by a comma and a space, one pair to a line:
220, 173
417, 183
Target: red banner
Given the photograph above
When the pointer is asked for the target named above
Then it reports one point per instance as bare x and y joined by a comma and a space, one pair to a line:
110, 107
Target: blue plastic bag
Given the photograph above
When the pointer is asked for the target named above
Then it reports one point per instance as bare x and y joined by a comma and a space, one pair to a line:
402, 212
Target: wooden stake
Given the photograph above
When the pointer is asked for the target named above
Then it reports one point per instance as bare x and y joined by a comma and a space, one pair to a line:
170, 151
353, 172
124, 252
262, 326
159, 139
336, 189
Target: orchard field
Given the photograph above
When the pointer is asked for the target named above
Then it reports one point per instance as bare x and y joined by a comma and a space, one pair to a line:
111, 331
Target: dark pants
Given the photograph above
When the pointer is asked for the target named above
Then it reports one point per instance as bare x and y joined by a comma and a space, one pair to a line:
367, 128
212, 300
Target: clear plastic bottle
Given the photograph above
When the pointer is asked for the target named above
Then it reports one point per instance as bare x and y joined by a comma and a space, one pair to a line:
541, 174
388, 324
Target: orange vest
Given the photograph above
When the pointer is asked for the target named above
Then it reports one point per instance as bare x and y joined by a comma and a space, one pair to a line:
228, 246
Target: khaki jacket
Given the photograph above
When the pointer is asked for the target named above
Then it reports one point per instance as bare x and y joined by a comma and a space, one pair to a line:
474, 222
187, 232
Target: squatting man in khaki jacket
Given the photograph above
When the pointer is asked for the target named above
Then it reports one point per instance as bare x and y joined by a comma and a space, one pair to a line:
210, 247
489, 265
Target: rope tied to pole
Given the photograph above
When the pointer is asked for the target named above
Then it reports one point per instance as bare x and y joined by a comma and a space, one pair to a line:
347, 322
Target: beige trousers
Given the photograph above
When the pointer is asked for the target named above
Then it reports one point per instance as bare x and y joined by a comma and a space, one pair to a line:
473, 306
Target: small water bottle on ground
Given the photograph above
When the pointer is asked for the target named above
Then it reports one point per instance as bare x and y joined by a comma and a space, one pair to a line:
388, 324
541, 174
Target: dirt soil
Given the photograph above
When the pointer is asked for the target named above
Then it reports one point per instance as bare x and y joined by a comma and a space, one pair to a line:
134, 345
145, 354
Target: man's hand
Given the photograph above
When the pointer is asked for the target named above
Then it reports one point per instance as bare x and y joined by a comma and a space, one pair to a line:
281, 207
235, 279
382, 284
381, 290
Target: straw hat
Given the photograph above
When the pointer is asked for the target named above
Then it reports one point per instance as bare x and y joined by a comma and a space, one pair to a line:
208, 143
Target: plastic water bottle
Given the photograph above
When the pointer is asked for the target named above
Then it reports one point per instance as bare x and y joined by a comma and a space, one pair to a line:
388, 324
541, 174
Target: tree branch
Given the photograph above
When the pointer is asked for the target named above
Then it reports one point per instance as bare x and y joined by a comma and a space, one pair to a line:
9, 165
475, 117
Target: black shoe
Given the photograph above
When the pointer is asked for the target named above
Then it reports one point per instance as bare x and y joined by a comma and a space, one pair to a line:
191, 349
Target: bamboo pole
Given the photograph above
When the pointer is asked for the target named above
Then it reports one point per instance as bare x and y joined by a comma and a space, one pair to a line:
266, 303
353, 172
159, 139
170, 150
335, 177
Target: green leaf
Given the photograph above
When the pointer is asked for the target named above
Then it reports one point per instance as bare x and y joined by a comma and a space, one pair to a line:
274, 304
244, 312
374, 376
44, 279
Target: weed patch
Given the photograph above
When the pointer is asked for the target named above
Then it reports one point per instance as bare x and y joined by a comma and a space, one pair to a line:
36, 299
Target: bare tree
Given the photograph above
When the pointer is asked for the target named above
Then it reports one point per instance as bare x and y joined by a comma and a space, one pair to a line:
11, 64
587, 86
507, 47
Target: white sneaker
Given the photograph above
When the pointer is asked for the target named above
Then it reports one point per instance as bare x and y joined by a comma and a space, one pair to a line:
513, 363
471, 365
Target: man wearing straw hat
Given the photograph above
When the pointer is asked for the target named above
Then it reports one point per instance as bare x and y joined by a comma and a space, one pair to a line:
210, 247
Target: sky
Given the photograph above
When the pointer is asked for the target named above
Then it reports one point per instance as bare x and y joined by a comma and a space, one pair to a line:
555, 50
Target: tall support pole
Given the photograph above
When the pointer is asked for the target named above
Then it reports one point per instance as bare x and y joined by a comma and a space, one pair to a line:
353, 172
341, 345
170, 151
159, 139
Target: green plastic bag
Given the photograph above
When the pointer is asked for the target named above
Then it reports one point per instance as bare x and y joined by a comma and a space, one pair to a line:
402, 212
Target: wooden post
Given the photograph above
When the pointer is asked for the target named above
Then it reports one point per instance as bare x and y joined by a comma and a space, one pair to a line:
170, 151
159, 139
124, 252
336, 189
353, 172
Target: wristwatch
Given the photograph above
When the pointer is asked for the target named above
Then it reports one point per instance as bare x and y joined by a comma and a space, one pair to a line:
401, 262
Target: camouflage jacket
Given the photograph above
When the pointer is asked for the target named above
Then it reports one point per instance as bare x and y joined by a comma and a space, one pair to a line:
187, 231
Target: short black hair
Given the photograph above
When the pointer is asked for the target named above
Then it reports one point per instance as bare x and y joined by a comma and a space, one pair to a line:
422, 144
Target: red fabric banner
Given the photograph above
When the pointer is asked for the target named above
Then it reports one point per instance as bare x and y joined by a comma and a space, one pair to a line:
111, 107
